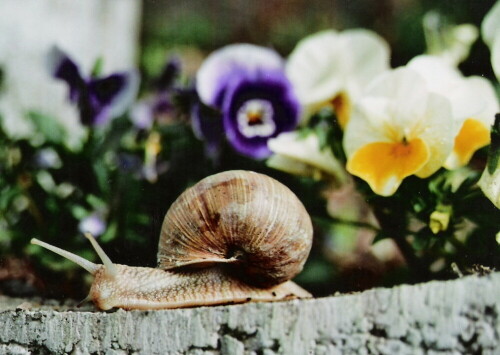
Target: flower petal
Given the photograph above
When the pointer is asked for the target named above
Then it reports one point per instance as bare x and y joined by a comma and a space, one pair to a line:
367, 125
343, 108
437, 129
169, 74
472, 136
470, 97
407, 89
315, 67
491, 36
290, 150
108, 97
93, 224
369, 57
327, 63
495, 56
385, 165
207, 126
141, 115
270, 87
489, 26
215, 72
61, 66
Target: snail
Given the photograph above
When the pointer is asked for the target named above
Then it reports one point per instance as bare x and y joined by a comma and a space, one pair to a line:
234, 237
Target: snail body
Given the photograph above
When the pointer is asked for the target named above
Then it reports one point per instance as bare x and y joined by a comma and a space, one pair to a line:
234, 237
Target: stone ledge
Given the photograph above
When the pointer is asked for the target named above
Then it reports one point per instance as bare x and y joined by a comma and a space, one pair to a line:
440, 317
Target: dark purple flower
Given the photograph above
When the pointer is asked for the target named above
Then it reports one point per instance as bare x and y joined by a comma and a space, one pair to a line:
98, 99
248, 86
169, 74
156, 108
207, 126
159, 106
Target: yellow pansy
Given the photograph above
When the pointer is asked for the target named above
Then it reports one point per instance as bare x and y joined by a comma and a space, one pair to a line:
473, 103
332, 68
398, 129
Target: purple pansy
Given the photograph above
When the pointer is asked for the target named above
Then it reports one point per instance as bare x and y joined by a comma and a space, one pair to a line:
156, 108
248, 86
159, 106
98, 99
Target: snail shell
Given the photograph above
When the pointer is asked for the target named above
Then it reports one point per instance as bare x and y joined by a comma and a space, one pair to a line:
242, 218
238, 218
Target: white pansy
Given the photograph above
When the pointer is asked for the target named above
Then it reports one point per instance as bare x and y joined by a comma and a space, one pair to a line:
332, 68
302, 156
473, 103
490, 30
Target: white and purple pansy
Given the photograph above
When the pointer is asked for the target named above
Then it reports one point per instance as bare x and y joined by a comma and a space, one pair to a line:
98, 99
159, 107
247, 85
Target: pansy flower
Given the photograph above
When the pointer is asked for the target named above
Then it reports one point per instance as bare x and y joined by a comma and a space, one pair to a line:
398, 129
98, 99
473, 103
302, 155
247, 86
490, 31
331, 68
159, 106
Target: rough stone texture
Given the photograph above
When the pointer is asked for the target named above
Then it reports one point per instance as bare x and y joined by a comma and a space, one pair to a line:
460, 316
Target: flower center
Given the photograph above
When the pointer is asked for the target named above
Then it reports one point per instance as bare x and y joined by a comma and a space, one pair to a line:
255, 118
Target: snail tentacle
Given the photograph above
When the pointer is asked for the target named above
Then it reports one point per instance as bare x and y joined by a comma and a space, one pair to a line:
84, 263
108, 264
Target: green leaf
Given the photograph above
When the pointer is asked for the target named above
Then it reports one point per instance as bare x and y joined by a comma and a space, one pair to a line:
96, 202
97, 67
494, 155
79, 212
102, 175
46, 125
110, 233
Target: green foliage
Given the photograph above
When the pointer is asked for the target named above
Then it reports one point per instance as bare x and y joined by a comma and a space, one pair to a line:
124, 177
46, 197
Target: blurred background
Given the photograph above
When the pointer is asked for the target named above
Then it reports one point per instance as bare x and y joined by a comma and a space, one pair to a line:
146, 35
207, 25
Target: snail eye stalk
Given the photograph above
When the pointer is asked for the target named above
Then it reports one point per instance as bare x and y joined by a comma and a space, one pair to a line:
84, 263
108, 264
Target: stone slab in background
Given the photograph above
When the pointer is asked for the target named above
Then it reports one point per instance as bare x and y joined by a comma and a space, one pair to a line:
459, 316
86, 29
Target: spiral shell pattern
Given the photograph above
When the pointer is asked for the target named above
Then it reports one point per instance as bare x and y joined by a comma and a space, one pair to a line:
241, 218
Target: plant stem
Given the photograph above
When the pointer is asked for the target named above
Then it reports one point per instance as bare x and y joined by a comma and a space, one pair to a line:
395, 228
356, 224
